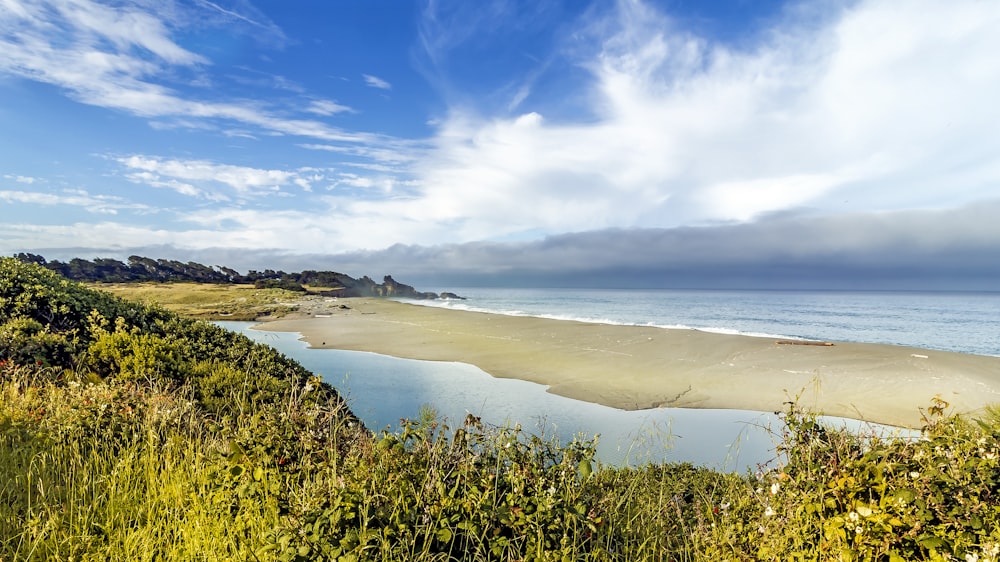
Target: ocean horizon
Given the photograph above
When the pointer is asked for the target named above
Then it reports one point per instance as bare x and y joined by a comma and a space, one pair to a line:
964, 322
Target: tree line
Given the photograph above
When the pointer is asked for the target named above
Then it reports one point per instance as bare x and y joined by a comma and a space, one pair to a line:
139, 269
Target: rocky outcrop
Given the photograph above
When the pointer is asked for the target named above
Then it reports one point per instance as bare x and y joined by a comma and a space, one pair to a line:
388, 288
392, 288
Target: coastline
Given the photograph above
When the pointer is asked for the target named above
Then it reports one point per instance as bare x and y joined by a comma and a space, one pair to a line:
640, 367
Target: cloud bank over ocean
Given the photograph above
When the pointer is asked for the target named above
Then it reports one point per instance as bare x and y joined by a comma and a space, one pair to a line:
907, 250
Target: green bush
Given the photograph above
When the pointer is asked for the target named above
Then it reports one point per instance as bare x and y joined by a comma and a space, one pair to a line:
842, 497
47, 320
127, 355
26, 341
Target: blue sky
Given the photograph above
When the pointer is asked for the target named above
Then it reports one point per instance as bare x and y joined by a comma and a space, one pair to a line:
660, 143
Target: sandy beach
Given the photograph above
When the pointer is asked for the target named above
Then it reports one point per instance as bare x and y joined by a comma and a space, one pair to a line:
637, 367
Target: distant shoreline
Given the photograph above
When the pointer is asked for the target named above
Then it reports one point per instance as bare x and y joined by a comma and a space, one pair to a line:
640, 367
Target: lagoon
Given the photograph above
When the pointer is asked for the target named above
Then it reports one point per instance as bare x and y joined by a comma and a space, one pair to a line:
381, 390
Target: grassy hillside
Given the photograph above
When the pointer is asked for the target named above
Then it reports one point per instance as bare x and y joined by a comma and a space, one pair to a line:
210, 301
128, 433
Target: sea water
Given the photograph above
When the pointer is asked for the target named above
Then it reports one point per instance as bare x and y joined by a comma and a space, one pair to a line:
962, 322
381, 390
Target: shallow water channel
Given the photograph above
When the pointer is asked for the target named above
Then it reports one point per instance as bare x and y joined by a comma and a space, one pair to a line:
381, 390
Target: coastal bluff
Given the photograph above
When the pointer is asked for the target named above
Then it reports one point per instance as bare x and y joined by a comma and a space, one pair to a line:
140, 269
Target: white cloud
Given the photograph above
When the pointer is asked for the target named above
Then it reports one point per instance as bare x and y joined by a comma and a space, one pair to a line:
116, 58
21, 179
241, 17
390, 152
181, 174
154, 180
327, 107
868, 107
376, 82
103, 204
355, 180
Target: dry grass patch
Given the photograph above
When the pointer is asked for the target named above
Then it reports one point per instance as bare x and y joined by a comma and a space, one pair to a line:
208, 301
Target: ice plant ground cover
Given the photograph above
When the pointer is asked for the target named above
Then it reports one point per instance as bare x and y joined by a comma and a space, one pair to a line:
127, 433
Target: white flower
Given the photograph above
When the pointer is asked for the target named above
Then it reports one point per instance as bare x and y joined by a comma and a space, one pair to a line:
972, 557
858, 529
853, 516
914, 474
774, 488
768, 512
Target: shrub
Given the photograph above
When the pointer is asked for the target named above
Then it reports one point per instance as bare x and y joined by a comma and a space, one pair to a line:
845, 497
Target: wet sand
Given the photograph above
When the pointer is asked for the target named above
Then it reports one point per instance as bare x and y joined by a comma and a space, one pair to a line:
637, 367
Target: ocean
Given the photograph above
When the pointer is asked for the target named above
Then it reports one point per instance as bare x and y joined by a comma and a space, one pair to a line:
381, 390
962, 322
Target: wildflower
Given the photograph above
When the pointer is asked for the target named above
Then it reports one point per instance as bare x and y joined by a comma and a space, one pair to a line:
858, 530
914, 474
972, 557
853, 516
769, 512
775, 488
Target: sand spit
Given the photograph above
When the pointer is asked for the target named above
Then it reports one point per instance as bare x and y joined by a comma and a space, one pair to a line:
638, 367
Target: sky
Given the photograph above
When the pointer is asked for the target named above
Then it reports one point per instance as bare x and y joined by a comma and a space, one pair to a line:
624, 143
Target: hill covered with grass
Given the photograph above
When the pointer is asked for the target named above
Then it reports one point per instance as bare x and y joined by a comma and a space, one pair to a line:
128, 433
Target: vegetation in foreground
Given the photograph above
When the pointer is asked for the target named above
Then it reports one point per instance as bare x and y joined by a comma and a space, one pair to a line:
127, 433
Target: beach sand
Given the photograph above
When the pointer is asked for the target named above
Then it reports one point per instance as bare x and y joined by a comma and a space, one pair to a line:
637, 367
